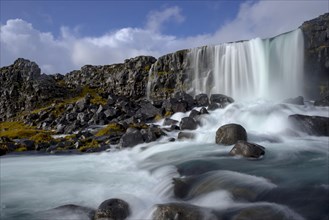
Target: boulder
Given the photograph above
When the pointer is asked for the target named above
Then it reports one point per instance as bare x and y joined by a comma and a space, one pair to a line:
185, 135
230, 133
169, 121
247, 149
261, 212
213, 106
186, 98
148, 111
131, 138
194, 113
296, 101
69, 211
312, 125
221, 99
115, 209
202, 100
203, 110
181, 211
188, 123
322, 102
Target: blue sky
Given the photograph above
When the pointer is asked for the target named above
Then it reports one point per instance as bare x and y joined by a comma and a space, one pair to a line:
65, 35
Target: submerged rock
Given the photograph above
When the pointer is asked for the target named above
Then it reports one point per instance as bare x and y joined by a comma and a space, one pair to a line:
221, 99
247, 149
115, 209
322, 102
230, 133
69, 211
188, 123
296, 101
313, 125
182, 211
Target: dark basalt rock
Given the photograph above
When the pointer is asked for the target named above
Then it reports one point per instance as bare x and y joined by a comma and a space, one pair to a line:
316, 56
182, 211
296, 101
169, 121
188, 123
194, 113
230, 134
23, 88
112, 209
202, 100
131, 138
185, 135
313, 125
69, 211
220, 99
247, 149
186, 98
322, 102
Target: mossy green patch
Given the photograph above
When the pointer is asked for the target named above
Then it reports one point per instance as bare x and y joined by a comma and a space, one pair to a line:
21, 149
110, 128
41, 137
88, 145
18, 130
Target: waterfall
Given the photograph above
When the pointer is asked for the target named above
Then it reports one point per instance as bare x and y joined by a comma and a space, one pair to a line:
258, 68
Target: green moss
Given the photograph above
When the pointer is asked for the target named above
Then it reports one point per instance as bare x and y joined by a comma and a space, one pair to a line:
168, 113
162, 73
21, 149
41, 137
158, 117
88, 145
18, 130
110, 128
139, 126
147, 68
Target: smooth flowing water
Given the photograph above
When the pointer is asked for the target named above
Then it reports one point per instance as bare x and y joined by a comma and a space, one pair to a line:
268, 68
292, 176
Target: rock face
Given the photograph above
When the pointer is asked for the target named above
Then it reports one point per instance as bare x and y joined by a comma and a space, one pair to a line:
247, 149
316, 39
24, 88
313, 125
169, 75
112, 209
230, 133
126, 79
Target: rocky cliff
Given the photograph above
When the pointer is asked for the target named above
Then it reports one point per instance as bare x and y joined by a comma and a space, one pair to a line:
316, 38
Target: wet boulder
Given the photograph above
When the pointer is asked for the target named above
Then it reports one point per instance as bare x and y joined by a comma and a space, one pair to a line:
322, 102
246, 149
202, 100
203, 110
312, 125
69, 211
181, 211
296, 101
131, 138
169, 121
230, 133
112, 209
188, 123
221, 99
213, 106
185, 135
261, 212
194, 114
185, 98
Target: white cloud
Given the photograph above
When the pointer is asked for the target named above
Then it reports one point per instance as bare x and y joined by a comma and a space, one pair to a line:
69, 51
156, 19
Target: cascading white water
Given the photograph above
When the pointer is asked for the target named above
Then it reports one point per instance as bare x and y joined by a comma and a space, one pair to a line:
269, 68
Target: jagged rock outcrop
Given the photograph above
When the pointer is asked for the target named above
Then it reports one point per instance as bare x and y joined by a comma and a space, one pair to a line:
126, 79
169, 75
316, 40
23, 88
